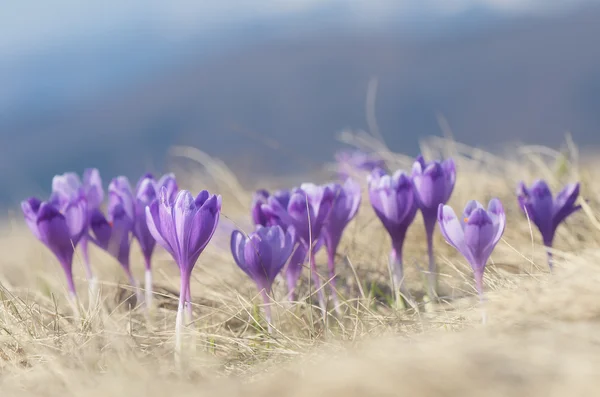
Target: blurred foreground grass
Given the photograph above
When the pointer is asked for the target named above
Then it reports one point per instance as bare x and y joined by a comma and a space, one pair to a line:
540, 338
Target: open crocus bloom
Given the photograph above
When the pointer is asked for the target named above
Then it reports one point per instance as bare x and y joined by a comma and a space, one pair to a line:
546, 212
475, 234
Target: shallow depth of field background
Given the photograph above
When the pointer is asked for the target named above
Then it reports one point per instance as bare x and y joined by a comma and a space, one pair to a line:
232, 97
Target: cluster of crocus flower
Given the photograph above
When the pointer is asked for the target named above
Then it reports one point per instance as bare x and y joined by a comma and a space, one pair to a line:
290, 226
313, 216
77, 217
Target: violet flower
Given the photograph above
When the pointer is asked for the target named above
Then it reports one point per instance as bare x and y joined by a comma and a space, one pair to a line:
263, 215
434, 183
68, 187
345, 207
545, 211
306, 213
183, 227
261, 256
394, 202
474, 235
59, 230
146, 192
113, 232
351, 161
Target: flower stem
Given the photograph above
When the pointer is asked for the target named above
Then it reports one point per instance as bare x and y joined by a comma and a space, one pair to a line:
188, 301
317, 282
548, 245
478, 274
401, 293
86, 257
179, 321
332, 279
148, 289
267, 304
134, 284
429, 220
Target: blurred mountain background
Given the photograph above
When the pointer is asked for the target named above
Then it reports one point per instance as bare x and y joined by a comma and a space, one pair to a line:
113, 84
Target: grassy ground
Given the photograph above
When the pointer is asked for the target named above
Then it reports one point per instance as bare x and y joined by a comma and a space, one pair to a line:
540, 338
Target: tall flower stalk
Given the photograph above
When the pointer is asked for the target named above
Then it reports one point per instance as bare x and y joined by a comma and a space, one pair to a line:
434, 183
183, 227
545, 211
393, 199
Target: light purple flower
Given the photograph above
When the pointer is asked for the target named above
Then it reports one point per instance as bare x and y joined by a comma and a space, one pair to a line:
68, 187
59, 230
113, 232
184, 227
434, 183
394, 202
475, 235
546, 212
345, 207
261, 256
261, 214
147, 190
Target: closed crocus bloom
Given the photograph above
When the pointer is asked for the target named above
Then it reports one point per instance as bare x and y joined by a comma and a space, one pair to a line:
306, 213
434, 183
146, 192
345, 206
59, 230
184, 228
113, 232
475, 235
261, 256
545, 211
394, 202
68, 187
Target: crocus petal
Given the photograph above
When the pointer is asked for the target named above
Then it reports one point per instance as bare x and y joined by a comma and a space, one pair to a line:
564, 205
155, 227
94, 192
479, 234
453, 230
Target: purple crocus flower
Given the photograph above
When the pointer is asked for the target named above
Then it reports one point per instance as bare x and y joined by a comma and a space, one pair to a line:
434, 183
261, 256
183, 227
545, 211
59, 230
264, 215
305, 215
350, 161
345, 207
474, 235
394, 202
113, 232
68, 187
146, 192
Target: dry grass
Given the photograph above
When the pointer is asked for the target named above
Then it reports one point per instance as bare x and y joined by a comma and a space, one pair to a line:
540, 338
